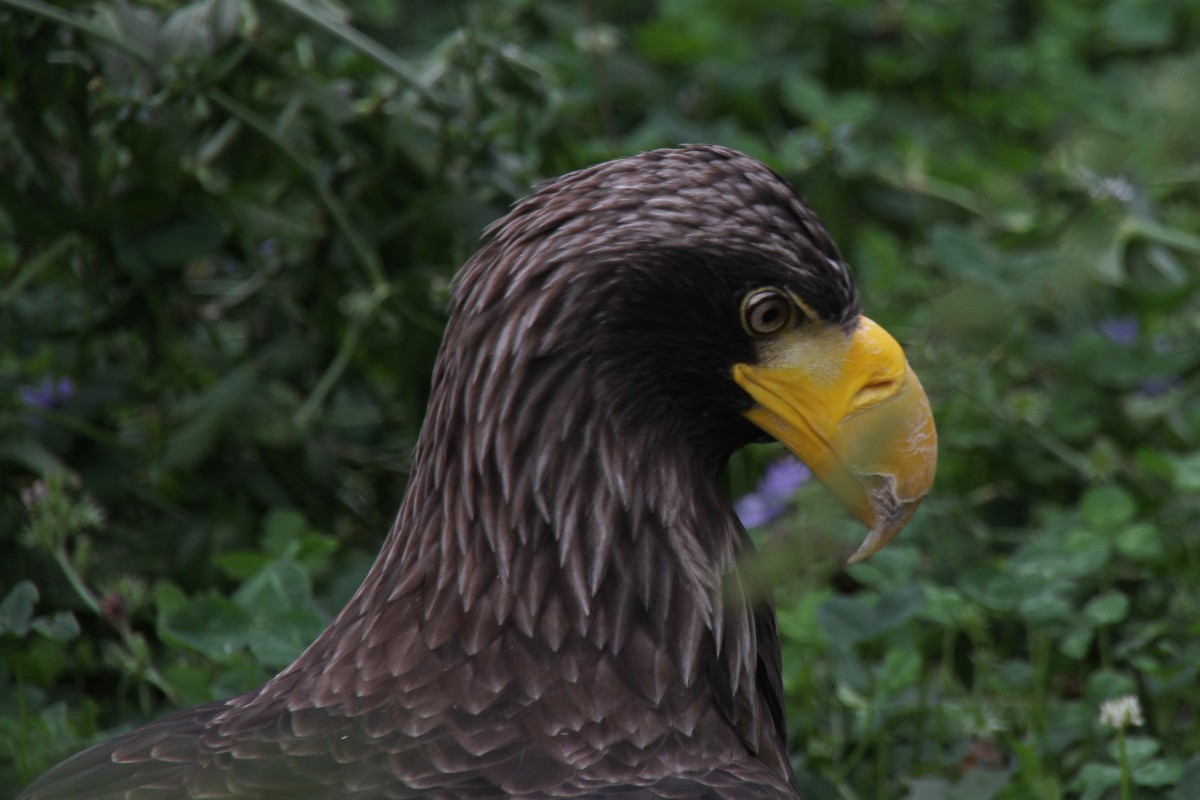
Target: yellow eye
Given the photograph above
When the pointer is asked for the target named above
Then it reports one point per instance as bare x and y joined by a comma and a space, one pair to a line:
766, 311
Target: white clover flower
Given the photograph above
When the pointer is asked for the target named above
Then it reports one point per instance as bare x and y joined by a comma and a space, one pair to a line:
597, 40
1121, 712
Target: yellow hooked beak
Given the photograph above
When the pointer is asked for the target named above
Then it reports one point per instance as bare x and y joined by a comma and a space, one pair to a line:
850, 407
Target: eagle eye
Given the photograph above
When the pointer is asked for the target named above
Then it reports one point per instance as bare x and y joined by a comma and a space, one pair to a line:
766, 311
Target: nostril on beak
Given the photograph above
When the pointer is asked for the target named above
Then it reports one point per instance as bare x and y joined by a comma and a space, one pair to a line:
875, 393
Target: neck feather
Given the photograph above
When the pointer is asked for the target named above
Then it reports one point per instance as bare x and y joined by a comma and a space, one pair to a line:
548, 534
540, 510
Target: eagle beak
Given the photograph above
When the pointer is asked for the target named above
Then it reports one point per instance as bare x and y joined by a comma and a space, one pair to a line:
850, 407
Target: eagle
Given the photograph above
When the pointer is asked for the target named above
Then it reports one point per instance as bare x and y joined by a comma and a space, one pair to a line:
558, 609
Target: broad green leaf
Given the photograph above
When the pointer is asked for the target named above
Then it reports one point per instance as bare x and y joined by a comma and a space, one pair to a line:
846, 620
901, 669
1106, 609
60, 626
1076, 643
1088, 552
283, 529
278, 601
277, 587
32, 455
1158, 772
897, 606
1105, 684
1140, 542
1187, 473
1096, 779
16, 610
1138, 749
210, 624
1189, 782
1045, 607
241, 564
1108, 507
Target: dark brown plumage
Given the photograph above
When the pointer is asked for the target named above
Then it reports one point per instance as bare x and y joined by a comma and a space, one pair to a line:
557, 610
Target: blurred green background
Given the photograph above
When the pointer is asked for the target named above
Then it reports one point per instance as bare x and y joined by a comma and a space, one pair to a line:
227, 229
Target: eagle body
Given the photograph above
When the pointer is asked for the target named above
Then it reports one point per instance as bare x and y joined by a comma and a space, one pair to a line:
557, 610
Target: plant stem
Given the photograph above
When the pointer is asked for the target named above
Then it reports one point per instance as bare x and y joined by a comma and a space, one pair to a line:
76, 580
1126, 786
147, 671
1039, 647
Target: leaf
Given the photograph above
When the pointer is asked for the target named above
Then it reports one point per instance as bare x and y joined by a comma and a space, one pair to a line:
285, 620
137, 27
1138, 749
928, 789
241, 564
1012, 676
16, 610
1186, 476
668, 42
1076, 643
963, 251
948, 607
845, 619
1159, 772
997, 593
168, 598
283, 529
1104, 684
1140, 542
279, 586
851, 620
187, 34
1045, 606
1107, 609
1088, 552
32, 455
1188, 787
288, 536
210, 624
1136, 25
981, 784
279, 643
805, 96
1096, 779
62, 627
1107, 507
225, 16
901, 669
1031, 771
898, 606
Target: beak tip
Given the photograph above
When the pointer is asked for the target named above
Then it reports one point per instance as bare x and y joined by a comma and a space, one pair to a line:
881, 534
864, 551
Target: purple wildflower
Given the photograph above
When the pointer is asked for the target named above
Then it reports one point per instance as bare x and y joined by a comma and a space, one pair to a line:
755, 510
1123, 331
50, 393
1158, 385
784, 477
769, 500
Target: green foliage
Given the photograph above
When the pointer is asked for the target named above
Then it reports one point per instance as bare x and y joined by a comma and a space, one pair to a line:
227, 230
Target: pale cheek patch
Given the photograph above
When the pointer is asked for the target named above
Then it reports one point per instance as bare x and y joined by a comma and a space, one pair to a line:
820, 353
